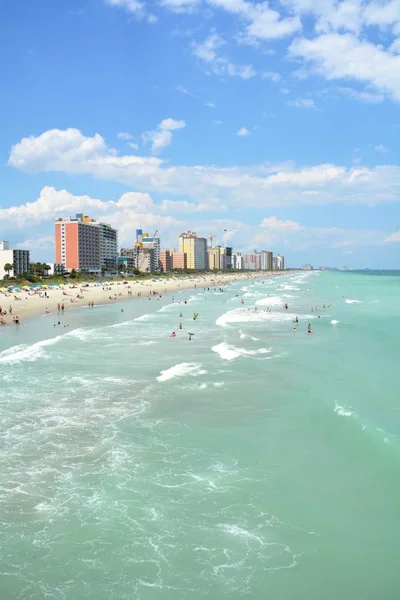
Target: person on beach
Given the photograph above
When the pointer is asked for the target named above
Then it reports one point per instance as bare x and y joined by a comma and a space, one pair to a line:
62, 307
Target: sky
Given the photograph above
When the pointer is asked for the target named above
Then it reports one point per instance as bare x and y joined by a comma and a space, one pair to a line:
273, 125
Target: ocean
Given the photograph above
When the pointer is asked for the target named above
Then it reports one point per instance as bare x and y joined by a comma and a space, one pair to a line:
252, 461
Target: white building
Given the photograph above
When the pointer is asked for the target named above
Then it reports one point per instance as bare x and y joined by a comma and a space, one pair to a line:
18, 258
278, 263
153, 243
237, 261
56, 269
266, 260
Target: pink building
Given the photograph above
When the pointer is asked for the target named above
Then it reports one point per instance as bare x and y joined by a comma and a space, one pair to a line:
179, 259
166, 260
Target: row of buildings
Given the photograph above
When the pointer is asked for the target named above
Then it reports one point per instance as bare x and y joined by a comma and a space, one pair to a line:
83, 243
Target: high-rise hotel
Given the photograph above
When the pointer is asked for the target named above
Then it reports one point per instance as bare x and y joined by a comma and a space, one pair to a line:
84, 243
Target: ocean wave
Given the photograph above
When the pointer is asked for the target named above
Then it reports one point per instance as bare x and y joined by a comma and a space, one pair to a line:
180, 370
229, 352
145, 317
246, 316
26, 352
270, 301
333, 322
244, 336
343, 412
348, 301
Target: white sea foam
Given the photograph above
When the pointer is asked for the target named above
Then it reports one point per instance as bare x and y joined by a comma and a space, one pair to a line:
180, 370
229, 352
26, 352
334, 322
271, 301
148, 343
241, 315
343, 412
245, 336
348, 301
145, 317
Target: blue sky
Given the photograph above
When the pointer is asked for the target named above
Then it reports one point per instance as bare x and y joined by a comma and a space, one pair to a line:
277, 121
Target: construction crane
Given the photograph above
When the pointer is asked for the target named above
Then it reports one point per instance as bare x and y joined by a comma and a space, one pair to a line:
155, 233
211, 238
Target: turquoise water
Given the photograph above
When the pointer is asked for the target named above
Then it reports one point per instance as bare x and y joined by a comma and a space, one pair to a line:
250, 462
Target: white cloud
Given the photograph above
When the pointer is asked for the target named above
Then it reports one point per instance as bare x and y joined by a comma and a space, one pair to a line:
381, 148
272, 76
345, 57
134, 7
367, 97
133, 145
274, 223
207, 51
183, 206
124, 135
217, 122
242, 132
38, 243
180, 6
210, 104
162, 136
264, 185
393, 237
302, 103
263, 22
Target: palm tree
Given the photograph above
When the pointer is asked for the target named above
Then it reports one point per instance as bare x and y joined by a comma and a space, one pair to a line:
46, 268
8, 267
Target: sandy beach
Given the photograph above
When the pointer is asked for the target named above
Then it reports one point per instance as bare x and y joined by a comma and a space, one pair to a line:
27, 303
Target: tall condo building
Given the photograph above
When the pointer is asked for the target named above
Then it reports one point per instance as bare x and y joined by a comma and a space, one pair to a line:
84, 243
19, 259
278, 262
150, 247
252, 261
214, 258
195, 248
266, 260
237, 261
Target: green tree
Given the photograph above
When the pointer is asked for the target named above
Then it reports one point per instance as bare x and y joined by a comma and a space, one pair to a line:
8, 267
73, 274
103, 270
120, 268
46, 268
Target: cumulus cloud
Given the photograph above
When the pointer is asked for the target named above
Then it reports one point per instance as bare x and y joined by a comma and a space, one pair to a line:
344, 56
134, 7
124, 135
393, 237
381, 148
208, 52
302, 103
242, 132
274, 223
262, 185
162, 136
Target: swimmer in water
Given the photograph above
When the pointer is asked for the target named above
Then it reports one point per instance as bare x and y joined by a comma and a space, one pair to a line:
296, 320
180, 315
309, 329
190, 336
173, 334
294, 329
180, 325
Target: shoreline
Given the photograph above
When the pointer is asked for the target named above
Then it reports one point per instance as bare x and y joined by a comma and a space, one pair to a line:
30, 305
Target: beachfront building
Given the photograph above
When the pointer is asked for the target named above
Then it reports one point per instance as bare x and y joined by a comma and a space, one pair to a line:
166, 260
57, 269
266, 260
278, 263
195, 248
252, 261
86, 244
307, 268
18, 259
150, 244
179, 260
225, 257
214, 258
237, 261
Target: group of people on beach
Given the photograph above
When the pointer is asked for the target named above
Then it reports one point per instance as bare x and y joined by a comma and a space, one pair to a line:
3, 313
